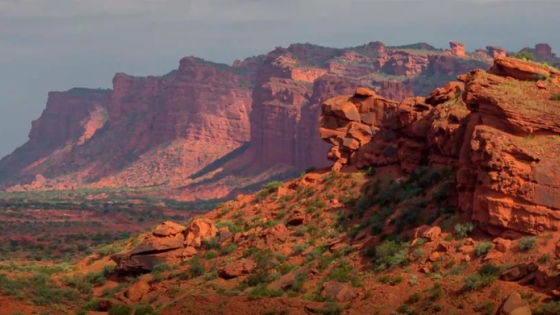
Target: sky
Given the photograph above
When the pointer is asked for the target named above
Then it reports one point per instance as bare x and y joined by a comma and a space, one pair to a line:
55, 45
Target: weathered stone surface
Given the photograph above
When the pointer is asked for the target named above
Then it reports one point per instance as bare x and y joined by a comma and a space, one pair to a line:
490, 126
285, 282
340, 292
137, 291
237, 268
515, 305
199, 230
502, 245
163, 244
514, 273
432, 233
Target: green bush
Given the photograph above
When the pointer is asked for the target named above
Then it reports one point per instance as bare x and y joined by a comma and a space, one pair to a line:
527, 243
413, 298
228, 249
143, 309
524, 55
485, 276
196, 269
261, 291
550, 308
555, 97
273, 185
120, 310
462, 230
390, 254
482, 248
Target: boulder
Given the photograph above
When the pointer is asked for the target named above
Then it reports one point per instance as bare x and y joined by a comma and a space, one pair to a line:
340, 292
515, 305
514, 273
432, 233
502, 245
199, 230
137, 291
285, 282
163, 245
237, 268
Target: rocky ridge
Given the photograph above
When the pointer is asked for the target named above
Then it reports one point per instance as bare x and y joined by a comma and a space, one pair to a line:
497, 127
210, 130
205, 127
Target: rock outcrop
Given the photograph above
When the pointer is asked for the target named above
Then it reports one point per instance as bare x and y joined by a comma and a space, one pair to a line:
167, 243
498, 127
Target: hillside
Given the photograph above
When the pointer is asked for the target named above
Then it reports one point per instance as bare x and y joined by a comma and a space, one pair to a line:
444, 204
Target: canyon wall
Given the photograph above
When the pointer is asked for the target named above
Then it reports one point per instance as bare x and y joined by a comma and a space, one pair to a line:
210, 129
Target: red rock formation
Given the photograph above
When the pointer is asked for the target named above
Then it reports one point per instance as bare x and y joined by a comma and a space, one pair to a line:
163, 130
544, 51
68, 117
160, 129
499, 128
496, 51
457, 49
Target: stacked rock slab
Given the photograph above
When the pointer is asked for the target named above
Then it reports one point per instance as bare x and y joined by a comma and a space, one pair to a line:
167, 243
499, 128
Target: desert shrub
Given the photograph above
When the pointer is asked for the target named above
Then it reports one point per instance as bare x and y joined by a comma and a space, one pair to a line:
273, 185
330, 309
555, 97
390, 254
143, 309
211, 243
544, 258
250, 251
524, 55
261, 291
196, 269
462, 230
404, 310
413, 298
228, 249
120, 310
550, 308
482, 248
527, 243
211, 254
485, 276
233, 228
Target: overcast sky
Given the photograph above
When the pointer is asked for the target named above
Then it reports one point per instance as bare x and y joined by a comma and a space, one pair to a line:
48, 45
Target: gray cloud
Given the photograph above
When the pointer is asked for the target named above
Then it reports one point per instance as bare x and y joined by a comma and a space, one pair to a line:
59, 44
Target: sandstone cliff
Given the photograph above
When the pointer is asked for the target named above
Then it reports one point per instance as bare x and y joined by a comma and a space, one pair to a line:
498, 128
206, 130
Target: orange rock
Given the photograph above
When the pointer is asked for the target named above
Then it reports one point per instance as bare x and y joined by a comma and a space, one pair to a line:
501, 244
199, 230
340, 292
457, 49
494, 256
541, 84
285, 282
361, 91
434, 256
237, 268
432, 233
137, 291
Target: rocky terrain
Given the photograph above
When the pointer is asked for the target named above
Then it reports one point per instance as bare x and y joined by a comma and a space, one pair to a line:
210, 130
444, 204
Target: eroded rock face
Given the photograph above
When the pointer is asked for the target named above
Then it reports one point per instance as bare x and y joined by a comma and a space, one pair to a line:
498, 127
257, 115
457, 49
